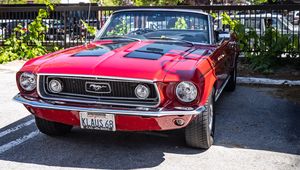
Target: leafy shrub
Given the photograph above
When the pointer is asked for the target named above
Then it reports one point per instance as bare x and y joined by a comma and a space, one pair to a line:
90, 29
120, 29
263, 52
181, 24
27, 43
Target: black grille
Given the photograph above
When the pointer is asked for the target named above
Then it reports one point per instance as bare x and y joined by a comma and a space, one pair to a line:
122, 91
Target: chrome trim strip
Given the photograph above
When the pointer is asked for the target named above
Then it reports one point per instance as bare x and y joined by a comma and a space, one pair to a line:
104, 27
99, 102
100, 77
162, 10
159, 113
222, 88
210, 29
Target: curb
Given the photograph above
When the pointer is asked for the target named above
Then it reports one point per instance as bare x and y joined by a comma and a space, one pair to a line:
266, 81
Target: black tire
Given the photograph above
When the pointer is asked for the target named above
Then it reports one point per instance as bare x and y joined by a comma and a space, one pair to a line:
52, 128
231, 85
199, 133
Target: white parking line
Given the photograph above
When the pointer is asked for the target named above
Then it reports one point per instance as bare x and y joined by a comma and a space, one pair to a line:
18, 141
8, 131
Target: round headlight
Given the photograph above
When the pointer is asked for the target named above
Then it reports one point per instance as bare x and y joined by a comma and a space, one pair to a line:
55, 86
27, 81
186, 91
142, 91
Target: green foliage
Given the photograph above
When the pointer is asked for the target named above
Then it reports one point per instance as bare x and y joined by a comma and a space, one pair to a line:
27, 43
268, 49
108, 2
120, 29
257, 2
264, 52
26, 1
90, 29
181, 24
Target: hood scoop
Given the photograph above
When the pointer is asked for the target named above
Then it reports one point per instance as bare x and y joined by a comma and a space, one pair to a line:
94, 52
156, 50
99, 50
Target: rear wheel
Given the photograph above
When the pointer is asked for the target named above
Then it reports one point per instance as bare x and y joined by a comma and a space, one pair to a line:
52, 128
199, 133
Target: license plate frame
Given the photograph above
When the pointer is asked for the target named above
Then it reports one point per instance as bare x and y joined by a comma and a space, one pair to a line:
97, 121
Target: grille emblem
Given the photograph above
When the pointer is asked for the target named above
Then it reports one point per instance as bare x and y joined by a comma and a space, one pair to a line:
94, 87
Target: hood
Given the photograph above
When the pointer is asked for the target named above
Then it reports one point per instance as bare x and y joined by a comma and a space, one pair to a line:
139, 59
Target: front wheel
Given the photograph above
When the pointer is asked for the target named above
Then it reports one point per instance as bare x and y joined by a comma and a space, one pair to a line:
52, 128
200, 132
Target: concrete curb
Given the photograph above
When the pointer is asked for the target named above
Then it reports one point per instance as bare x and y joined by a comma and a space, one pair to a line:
267, 81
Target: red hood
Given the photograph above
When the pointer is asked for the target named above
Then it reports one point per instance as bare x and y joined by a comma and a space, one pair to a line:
146, 59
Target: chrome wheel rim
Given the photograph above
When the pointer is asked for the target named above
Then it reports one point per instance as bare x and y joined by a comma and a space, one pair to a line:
210, 118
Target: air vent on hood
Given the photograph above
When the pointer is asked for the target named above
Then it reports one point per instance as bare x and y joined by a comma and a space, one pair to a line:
97, 51
100, 49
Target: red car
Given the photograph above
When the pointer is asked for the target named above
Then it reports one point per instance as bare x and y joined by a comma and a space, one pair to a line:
146, 70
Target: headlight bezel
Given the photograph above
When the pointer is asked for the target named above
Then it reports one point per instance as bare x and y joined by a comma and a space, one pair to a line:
32, 80
194, 89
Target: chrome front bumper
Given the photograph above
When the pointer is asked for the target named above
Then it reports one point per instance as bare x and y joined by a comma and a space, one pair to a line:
135, 112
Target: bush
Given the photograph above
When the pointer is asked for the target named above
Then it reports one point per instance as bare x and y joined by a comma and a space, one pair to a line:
27, 43
264, 52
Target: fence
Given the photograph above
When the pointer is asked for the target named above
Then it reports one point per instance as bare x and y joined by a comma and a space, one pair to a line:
66, 30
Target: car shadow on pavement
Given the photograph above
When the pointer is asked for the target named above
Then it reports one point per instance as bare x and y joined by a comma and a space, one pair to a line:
249, 118
96, 149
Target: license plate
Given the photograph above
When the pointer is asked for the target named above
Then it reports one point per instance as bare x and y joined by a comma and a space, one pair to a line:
97, 121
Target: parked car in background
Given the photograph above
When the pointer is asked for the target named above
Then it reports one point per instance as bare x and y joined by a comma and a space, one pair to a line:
294, 17
8, 26
56, 29
260, 22
134, 77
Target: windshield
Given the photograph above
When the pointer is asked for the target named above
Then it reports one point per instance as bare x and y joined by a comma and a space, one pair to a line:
185, 26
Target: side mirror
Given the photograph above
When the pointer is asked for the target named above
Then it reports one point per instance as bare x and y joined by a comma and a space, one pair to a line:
222, 36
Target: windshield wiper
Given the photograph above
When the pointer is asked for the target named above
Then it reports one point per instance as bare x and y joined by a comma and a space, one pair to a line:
171, 38
118, 37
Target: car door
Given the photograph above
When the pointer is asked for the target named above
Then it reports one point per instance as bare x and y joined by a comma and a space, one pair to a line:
221, 61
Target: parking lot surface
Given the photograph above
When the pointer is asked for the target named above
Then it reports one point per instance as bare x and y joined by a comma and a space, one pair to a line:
256, 128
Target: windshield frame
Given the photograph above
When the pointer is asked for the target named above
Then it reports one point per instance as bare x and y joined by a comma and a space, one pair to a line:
209, 20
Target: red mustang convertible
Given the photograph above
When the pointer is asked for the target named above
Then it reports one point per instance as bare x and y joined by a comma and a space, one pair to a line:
146, 70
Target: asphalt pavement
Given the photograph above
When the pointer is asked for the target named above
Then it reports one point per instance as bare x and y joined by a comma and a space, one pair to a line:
256, 128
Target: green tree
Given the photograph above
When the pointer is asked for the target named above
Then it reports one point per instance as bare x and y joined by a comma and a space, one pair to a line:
13, 1
26, 1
